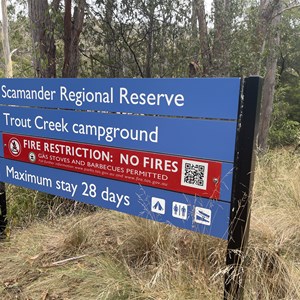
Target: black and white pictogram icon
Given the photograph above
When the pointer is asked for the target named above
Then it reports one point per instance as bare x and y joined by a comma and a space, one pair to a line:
14, 146
32, 157
179, 210
203, 216
158, 205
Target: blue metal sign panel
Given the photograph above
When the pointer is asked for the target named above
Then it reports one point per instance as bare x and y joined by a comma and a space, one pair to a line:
206, 139
205, 98
185, 211
191, 118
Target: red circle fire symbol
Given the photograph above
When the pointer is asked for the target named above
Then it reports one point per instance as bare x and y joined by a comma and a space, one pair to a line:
14, 147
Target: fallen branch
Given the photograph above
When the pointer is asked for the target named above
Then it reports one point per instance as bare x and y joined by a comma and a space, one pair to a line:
64, 261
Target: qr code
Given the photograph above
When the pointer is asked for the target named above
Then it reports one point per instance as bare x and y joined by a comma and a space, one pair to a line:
194, 174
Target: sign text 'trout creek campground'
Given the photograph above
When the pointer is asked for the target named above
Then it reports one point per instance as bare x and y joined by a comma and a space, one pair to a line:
161, 149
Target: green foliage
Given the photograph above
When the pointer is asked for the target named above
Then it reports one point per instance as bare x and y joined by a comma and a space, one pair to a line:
289, 62
123, 39
26, 206
283, 130
245, 52
284, 133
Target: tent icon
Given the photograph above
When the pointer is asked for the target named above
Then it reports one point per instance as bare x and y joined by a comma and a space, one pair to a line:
158, 205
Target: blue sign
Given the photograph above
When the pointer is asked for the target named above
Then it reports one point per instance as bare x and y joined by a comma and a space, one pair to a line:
189, 118
185, 211
202, 98
207, 139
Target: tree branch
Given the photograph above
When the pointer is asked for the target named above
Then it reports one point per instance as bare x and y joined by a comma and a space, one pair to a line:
55, 5
289, 8
133, 54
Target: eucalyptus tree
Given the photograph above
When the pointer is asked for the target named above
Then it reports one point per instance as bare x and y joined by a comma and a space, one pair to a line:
132, 38
271, 16
42, 31
289, 63
42, 17
73, 24
270, 19
216, 35
5, 41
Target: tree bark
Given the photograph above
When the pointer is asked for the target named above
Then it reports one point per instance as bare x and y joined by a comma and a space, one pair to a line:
72, 30
149, 55
222, 32
204, 40
5, 41
42, 31
8, 74
194, 27
114, 67
270, 16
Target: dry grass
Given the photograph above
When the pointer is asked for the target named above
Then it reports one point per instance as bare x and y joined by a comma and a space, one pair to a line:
108, 255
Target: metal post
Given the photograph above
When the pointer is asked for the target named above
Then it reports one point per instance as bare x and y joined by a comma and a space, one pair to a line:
242, 187
3, 210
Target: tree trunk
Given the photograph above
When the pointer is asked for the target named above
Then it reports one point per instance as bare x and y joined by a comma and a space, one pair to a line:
222, 33
195, 45
67, 37
149, 55
270, 16
72, 30
204, 40
8, 74
5, 41
43, 38
114, 67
